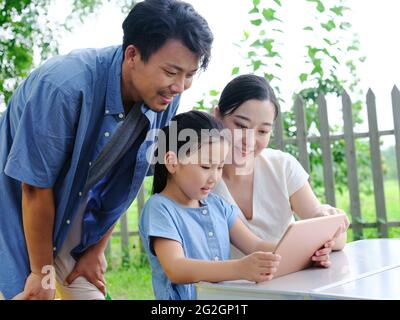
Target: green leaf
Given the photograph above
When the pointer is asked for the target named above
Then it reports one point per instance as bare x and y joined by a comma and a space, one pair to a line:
256, 44
330, 42
320, 6
268, 44
345, 25
330, 25
256, 64
303, 77
269, 14
338, 10
235, 70
308, 28
278, 2
254, 10
256, 22
256, 2
269, 76
214, 93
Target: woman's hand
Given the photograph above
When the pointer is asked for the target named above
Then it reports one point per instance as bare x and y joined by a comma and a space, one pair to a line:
327, 210
321, 256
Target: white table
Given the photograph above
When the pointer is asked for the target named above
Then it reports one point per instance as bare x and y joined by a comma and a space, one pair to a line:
365, 269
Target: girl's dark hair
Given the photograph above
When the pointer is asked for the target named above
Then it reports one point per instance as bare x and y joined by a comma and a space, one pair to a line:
151, 23
199, 123
244, 88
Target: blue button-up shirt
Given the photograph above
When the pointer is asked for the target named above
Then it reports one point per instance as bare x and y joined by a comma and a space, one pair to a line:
203, 233
56, 123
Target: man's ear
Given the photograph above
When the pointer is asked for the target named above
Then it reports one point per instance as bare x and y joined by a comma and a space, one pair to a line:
217, 112
132, 54
171, 162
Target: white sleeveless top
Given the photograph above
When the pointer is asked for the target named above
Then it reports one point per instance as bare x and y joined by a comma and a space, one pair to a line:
277, 176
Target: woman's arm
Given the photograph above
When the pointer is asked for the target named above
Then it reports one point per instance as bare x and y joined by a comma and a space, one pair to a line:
246, 241
306, 205
179, 269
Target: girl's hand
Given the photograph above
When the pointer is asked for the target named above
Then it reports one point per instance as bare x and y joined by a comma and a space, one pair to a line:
258, 266
321, 256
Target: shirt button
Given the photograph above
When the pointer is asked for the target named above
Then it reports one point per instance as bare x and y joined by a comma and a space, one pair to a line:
54, 248
107, 134
68, 222
90, 164
80, 194
211, 234
121, 116
204, 212
107, 111
216, 258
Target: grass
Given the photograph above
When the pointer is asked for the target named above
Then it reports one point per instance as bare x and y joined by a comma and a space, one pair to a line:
367, 201
130, 278
130, 282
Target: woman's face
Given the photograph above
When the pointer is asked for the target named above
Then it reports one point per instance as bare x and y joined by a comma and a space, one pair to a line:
250, 126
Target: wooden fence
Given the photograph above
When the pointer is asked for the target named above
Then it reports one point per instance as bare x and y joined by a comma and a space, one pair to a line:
326, 139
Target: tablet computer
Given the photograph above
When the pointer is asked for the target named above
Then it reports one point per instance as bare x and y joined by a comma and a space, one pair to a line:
302, 239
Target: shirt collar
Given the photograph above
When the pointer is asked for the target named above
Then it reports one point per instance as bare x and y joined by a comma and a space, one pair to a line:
114, 103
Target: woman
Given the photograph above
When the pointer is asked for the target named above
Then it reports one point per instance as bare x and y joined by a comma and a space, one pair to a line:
269, 186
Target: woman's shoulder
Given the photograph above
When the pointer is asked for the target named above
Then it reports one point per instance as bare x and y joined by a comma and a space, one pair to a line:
274, 156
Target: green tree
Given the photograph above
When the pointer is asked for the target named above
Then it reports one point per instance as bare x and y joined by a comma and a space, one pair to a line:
331, 55
27, 29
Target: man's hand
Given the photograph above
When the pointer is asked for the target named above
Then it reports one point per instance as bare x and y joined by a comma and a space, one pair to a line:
92, 265
36, 288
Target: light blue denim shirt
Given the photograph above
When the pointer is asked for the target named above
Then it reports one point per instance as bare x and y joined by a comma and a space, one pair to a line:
56, 123
203, 233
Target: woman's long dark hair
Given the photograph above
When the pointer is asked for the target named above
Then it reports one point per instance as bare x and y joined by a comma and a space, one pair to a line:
243, 88
199, 122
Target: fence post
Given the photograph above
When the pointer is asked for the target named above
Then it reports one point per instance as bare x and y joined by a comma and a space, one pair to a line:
301, 136
140, 205
376, 162
124, 238
396, 123
108, 251
278, 132
327, 163
352, 175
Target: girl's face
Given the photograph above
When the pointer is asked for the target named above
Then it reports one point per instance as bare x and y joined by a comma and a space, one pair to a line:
198, 173
251, 126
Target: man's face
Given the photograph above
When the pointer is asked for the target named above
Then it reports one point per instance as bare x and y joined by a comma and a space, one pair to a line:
168, 72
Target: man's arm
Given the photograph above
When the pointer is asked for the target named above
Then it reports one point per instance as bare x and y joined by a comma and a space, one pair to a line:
38, 213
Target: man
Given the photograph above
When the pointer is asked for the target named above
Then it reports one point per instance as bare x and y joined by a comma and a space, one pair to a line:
73, 148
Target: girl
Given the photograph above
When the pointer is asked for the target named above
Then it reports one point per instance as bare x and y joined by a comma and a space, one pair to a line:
272, 185
186, 230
